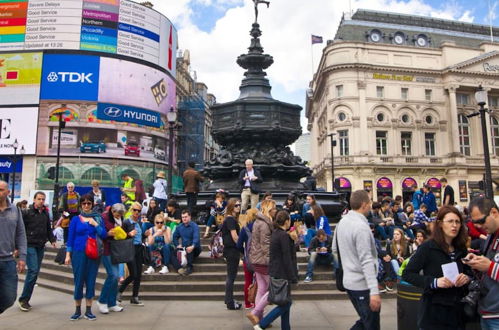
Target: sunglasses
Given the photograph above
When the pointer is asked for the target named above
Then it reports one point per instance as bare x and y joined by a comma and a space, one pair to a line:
237, 205
481, 221
136, 210
159, 223
86, 203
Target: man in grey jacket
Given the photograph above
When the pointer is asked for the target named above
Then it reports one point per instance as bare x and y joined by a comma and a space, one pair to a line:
359, 261
12, 238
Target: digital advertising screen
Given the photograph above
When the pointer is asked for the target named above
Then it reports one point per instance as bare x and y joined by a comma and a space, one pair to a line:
20, 124
20, 75
111, 26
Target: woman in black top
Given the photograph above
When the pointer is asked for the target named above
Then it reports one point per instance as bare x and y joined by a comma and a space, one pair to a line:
230, 236
282, 265
440, 306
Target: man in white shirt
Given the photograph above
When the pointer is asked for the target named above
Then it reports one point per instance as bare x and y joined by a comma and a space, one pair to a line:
249, 179
159, 193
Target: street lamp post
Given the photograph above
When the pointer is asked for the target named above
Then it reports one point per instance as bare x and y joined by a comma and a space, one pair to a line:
15, 145
55, 202
333, 144
172, 120
481, 99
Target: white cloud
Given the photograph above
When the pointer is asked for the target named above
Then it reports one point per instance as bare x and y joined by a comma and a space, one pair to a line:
286, 26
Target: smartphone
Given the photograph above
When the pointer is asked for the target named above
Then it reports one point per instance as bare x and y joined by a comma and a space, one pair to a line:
465, 260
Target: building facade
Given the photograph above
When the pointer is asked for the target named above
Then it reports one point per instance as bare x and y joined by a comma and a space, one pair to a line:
302, 147
396, 91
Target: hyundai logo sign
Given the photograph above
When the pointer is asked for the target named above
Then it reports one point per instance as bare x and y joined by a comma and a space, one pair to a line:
112, 112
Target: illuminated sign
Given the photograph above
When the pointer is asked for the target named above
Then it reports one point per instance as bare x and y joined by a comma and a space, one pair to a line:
127, 114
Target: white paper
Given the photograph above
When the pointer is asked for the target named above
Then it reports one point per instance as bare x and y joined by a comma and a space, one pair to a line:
450, 271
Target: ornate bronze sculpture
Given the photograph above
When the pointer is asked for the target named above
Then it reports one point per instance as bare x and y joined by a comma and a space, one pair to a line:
257, 2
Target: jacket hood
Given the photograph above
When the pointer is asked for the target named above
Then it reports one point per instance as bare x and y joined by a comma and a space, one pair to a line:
261, 217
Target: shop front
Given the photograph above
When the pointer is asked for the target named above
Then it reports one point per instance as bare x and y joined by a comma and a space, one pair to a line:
408, 185
436, 188
384, 188
6, 173
344, 186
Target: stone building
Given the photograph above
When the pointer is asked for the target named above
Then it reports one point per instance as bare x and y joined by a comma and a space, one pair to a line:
396, 90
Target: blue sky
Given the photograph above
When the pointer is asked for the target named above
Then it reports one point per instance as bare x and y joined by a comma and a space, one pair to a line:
216, 32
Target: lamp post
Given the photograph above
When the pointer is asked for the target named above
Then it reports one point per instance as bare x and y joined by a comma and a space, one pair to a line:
171, 116
55, 203
15, 145
481, 100
333, 144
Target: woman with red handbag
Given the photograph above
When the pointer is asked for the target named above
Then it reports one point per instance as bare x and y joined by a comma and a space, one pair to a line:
83, 251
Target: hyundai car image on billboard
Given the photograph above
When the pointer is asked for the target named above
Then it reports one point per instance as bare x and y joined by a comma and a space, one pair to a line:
112, 107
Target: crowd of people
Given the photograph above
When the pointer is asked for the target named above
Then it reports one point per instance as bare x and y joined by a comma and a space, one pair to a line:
376, 244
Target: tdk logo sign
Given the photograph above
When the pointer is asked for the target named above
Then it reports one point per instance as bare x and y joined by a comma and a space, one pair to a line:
71, 77
112, 112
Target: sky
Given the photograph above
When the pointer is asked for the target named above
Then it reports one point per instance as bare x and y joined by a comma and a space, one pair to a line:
217, 31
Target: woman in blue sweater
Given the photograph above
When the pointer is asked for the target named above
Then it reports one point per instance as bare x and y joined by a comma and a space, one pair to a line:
87, 224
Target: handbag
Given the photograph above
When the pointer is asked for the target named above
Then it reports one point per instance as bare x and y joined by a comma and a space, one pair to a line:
60, 258
339, 270
91, 250
182, 257
146, 256
122, 251
252, 289
279, 291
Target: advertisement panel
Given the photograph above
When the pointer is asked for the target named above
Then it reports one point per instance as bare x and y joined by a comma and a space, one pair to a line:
127, 114
20, 75
112, 26
70, 77
20, 124
136, 85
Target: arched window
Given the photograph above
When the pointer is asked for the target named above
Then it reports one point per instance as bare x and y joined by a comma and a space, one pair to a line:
133, 174
464, 135
64, 173
494, 127
96, 173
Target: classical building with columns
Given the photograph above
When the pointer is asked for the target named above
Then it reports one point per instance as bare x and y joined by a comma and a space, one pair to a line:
395, 92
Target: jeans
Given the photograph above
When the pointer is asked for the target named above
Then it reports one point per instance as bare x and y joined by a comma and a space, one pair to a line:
8, 284
161, 203
283, 312
395, 266
211, 221
232, 257
33, 262
381, 232
318, 259
311, 232
135, 270
369, 320
489, 324
84, 273
192, 199
110, 287
262, 293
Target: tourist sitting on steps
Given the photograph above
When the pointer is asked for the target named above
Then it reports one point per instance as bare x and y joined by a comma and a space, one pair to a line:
188, 234
217, 213
320, 253
158, 243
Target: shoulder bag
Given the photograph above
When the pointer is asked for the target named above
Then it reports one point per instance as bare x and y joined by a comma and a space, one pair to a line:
339, 270
279, 291
122, 251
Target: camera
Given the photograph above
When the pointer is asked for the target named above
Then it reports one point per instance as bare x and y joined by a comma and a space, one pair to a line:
471, 299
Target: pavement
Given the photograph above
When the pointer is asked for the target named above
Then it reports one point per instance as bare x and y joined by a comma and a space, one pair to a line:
51, 310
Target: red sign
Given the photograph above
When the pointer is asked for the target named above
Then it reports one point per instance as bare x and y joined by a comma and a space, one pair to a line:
12, 22
384, 183
409, 183
434, 183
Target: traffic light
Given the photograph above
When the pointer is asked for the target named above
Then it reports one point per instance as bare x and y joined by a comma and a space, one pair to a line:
481, 185
51, 173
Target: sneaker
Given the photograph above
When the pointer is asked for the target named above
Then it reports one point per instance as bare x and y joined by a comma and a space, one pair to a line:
149, 270
75, 317
181, 271
308, 279
257, 327
136, 302
116, 308
234, 306
389, 286
381, 288
164, 270
24, 305
103, 309
90, 316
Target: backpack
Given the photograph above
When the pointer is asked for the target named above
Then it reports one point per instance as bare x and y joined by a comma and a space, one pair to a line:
216, 245
247, 247
140, 194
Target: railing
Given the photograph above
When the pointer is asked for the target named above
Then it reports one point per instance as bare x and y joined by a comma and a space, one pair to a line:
411, 160
435, 160
386, 159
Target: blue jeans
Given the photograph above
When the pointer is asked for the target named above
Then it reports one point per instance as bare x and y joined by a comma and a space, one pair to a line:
381, 232
283, 312
161, 203
311, 232
166, 252
84, 273
318, 259
33, 262
8, 284
489, 324
210, 221
110, 287
369, 320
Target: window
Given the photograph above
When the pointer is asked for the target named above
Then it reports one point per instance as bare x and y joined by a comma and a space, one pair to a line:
406, 119
343, 139
339, 90
429, 119
64, 173
464, 135
427, 94
380, 91
380, 117
96, 173
404, 93
494, 127
462, 99
406, 138
493, 101
381, 143
429, 144
342, 116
